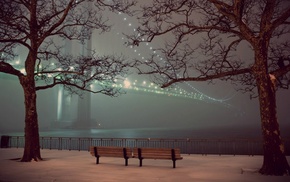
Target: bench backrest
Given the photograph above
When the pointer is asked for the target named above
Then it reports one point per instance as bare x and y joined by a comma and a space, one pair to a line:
110, 151
158, 153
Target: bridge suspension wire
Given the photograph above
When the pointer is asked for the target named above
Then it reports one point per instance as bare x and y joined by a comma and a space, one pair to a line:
194, 93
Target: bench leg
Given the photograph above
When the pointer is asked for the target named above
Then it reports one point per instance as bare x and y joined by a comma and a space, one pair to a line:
174, 163
126, 162
140, 162
97, 160
140, 156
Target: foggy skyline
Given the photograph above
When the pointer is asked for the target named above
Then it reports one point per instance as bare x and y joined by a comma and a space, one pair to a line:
137, 110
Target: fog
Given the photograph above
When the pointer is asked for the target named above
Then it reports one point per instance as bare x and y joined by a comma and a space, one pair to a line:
137, 109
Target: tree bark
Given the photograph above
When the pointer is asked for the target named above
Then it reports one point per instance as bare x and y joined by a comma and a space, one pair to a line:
32, 146
274, 162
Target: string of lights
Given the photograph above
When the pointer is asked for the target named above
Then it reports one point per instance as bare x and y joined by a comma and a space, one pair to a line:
194, 93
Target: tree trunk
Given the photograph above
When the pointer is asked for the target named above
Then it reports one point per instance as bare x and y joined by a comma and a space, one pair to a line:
32, 147
275, 162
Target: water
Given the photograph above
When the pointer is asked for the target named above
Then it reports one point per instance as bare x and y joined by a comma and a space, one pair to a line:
180, 133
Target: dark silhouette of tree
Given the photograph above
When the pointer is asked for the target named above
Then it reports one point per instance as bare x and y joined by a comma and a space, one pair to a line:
203, 41
39, 26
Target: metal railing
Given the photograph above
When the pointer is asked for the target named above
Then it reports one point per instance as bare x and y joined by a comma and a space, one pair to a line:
187, 146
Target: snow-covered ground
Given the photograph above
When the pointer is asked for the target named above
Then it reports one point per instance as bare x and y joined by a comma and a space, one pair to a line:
79, 166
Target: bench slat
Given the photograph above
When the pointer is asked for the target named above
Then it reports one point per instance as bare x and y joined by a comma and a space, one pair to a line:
111, 151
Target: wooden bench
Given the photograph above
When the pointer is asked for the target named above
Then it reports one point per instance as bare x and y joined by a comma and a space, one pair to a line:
157, 153
120, 152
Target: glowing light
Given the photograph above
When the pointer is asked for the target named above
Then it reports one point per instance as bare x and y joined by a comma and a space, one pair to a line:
59, 102
127, 84
23, 71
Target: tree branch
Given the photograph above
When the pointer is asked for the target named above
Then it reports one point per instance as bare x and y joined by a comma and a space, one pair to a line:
208, 77
7, 68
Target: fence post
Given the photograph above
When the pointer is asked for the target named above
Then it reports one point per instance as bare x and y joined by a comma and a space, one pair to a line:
234, 147
218, 147
17, 142
49, 143
186, 146
4, 141
79, 144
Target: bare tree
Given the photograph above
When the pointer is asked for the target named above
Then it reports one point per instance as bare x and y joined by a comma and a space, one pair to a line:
37, 25
203, 42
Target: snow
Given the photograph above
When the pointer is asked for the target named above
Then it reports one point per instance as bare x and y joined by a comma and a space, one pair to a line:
79, 166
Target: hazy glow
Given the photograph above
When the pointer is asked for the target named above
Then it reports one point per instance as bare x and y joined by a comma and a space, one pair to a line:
23, 71
59, 103
127, 84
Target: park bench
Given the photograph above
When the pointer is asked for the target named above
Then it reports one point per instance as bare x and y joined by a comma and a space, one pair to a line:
157, 153
120, 152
